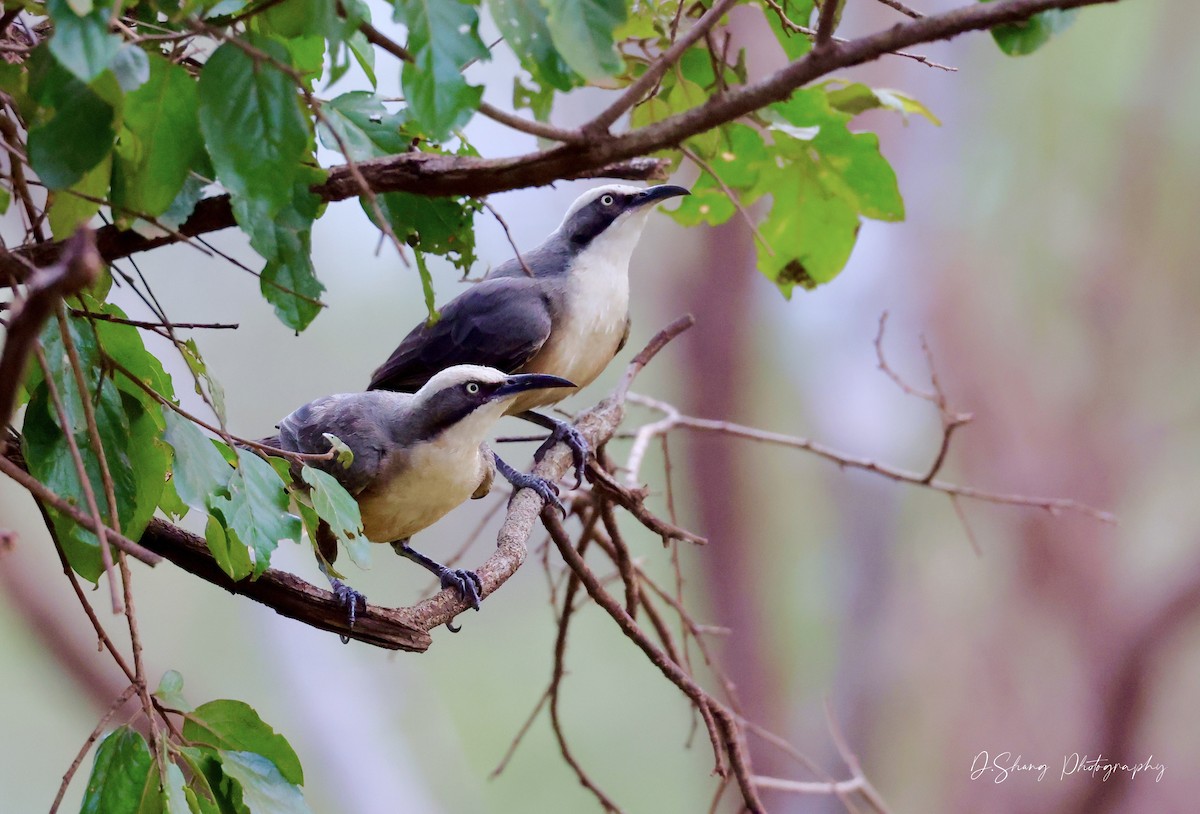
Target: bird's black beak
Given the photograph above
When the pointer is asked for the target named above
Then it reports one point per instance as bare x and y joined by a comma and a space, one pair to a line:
520, 382
661, 192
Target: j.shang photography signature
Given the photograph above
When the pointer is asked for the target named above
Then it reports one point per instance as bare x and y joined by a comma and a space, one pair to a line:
1002, 766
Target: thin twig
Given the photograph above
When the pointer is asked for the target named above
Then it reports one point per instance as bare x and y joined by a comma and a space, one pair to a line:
1051, 505
87, 744
504, 225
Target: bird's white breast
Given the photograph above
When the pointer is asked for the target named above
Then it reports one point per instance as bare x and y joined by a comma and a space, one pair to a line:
593, 320
438, 476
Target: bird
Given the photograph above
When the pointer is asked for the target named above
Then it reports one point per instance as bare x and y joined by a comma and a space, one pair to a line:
561, 308
416, 456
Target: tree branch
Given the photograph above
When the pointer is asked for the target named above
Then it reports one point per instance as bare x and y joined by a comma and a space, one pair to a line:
613, 156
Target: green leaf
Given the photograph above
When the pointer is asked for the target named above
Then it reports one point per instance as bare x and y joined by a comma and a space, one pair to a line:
524, 25
343, 454
78, 131
129, 435
81, 42
71, 208
1019, 39
364, 125
582, 33
264, 789
443, 36
298, 18
794, 43
253, 126
119, 774
817, 228
160, 140
235, 726
212, 791
131, 67
170, 691
337, 508
175, 791
256, 510
855, 97
200, 473
228, 551
442, 226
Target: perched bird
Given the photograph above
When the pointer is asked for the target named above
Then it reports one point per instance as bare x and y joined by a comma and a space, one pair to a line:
416, 457
561, 308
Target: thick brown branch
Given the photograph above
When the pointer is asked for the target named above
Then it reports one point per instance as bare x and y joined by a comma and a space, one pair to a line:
288, 595
611, 157
411, 172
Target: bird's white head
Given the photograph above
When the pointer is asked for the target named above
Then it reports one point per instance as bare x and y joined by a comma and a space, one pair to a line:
607, 221
470, 398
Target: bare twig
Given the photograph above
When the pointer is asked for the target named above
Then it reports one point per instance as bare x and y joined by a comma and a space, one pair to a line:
1051, 505
504, 225
87, 744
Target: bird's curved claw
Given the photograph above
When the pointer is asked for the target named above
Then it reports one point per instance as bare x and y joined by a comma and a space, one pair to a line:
350, 599
546, 490
467, 584
573, 438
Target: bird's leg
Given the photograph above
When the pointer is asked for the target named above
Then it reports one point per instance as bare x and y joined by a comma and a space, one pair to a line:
561, 431
350, 599
465, 582
546, 490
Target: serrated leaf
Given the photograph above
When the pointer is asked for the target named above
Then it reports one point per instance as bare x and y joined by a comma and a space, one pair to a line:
1020, 39
119, 774
160, 140
264, 789
235, 726
364, 125
524, 25
256, 509
443, 36
252, 122
82, 42
582, 34
340, 511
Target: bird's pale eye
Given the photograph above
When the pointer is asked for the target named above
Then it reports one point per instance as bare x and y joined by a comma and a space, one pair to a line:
472, 387
607, 200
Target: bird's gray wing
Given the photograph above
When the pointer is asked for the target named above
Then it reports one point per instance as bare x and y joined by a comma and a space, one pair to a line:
359, 420
499, 322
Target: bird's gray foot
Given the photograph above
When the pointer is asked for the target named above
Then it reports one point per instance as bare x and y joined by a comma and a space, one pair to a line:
520, 480
467, 583
573, 438
350, 599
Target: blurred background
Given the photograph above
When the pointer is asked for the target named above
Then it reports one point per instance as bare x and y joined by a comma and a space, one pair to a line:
1049, 257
